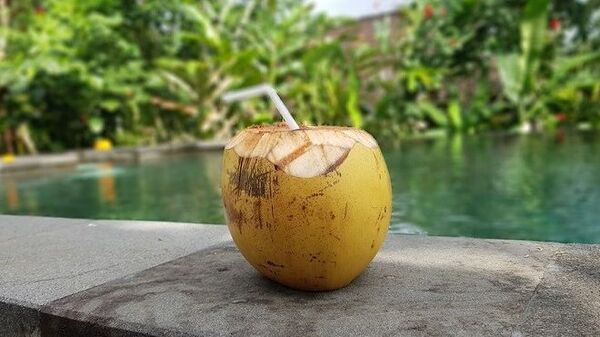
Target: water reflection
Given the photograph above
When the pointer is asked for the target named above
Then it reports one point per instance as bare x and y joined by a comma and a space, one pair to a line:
106, 183
12, 195
174, 189
519, 187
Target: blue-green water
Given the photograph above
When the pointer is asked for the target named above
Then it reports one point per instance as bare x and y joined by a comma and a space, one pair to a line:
541, 187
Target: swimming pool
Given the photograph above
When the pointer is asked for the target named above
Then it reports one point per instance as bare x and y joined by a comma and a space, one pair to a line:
540, 187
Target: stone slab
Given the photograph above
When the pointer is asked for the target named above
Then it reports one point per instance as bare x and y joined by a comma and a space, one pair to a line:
43, 259
416, 286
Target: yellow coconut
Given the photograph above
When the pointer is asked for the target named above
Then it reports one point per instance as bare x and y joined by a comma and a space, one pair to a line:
308, 208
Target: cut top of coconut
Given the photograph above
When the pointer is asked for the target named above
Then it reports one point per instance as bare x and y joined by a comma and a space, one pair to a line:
307, 152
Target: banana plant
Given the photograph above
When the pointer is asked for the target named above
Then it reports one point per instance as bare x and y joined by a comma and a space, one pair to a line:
219, 62
518, 70
235, 45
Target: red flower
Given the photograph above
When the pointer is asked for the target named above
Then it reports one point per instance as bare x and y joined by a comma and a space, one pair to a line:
428, 11
39, 10
560, 116
554, 24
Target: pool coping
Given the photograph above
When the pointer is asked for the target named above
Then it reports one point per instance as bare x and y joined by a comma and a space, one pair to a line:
142, 278
117, 155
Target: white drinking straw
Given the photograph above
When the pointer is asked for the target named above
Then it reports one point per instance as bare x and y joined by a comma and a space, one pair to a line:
263, 90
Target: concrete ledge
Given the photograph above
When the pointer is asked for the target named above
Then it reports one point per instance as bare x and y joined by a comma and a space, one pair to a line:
148, 153
121, 155
40, 162
44, 259
416, 286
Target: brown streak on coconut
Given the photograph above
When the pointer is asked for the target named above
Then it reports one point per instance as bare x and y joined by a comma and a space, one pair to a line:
235, 217
275, 264
329, 185
250, 178
314, 195
346, 210
293, 201
293, 155
335, 236
381, 214
337, 163
258, 214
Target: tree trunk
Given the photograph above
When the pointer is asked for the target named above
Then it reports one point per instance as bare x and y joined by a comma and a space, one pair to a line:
8, 136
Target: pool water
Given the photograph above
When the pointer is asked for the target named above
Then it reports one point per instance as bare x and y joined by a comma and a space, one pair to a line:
542, 187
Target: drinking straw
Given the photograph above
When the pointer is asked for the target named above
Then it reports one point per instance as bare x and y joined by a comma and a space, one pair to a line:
263, 90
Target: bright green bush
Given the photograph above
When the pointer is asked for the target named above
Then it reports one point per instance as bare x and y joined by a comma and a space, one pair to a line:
142, 72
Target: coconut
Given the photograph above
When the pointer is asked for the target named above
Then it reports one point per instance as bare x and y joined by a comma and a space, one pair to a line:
307, 208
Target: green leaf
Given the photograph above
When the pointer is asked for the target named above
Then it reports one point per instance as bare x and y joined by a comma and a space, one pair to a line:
436, 114
110, 104
210, 33
96, 125
411, 81
454, 115
352, 104
533, 33
564, 65
511, 72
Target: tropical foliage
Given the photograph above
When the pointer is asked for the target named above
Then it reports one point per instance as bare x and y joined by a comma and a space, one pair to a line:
143, 72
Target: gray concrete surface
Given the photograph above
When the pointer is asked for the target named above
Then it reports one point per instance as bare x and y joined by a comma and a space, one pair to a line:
43, 259
416, 286
567, 301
